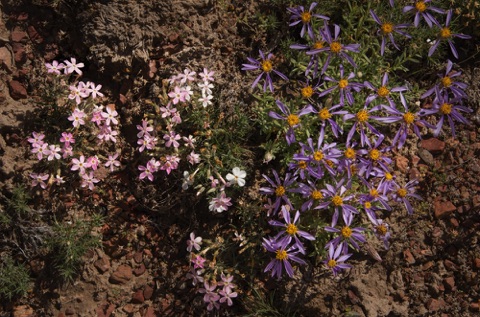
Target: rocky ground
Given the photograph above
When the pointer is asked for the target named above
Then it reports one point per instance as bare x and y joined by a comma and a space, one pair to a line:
431, 269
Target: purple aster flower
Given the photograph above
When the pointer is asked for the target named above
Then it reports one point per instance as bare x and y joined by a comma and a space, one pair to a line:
387, 180
349, 163
446, 34
421, 9
381, 229
318, 42
347, 235
299, 164
336, 196
344, 85
335, 48
335, 261
279, 189
265, 65
375, 195
325, 114
374, 156
447, 84
383, 91
320, 157
387, 29
448, 109
282, 258
308, 89
291, 231
305, 17
402, 193
361, 124
310, 192
292, 119
407, 119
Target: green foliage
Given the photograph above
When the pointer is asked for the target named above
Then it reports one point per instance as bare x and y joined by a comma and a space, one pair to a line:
18, 203
69, 243
259, 305
14, 279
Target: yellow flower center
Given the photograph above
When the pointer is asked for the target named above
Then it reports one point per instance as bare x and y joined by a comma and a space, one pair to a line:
408, 118
291, 229
316, 195
362, 116
445, 32
346, 232
330, 163
306, 17
402, 192
337, 200
281, 255
318, 45
367, 205
374, 154
318, 155
331, 263
307, 92
383, 91
302, 165
280, 191
267, 66
420, 6
387, 28
446, 108
373, 192
343, 83
446, 81
293, 120
381, 229
349, 153
335, 47
388, 176
324, 114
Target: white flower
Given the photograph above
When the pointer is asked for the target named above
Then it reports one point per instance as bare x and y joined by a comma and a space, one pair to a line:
194, 243
238, 176
187, 180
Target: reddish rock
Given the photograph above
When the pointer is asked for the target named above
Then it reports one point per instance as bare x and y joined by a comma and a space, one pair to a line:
148, 292
433, 145
427, 265
408, 257
402, 163
149, 312
105, 310
102, 265
415, 160
122, 275
139, 270
137, 297
6, 59
449, 265
18, 35
443, 209
435, 304
22, 311
449, 283
33, 35
69, 311
129, 308
17, 90
477, 263
454, 222
475, 306
414, 173
138, 257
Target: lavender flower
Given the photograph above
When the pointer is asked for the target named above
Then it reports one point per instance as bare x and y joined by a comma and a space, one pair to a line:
292, 119
347, 235
335, 261
447, 84
403, 192
337, 198
381, 229
386, 31
310, 191
318, 42
320, 157
361, 124
279, 189
300, 15
374, 158
344, 85
421, 9
282, 258
265, 65
291, 231
335, 48
383, 91
446, 34
325, 114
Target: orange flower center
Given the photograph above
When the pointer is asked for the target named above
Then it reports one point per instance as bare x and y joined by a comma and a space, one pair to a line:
420, 6
291, 229
293, 120
446, 81
343, 83
402, 192
316, 195
337, 200
383, 91
306, 17
318, 45
267, 66
335, 47
346, 232
280, 191
381, 229
408, 118
350, 153
324, 114
445, 32
362, 116
318, 155
446, 108
387, 28
281, 255
374, 154
307, 92
302, 165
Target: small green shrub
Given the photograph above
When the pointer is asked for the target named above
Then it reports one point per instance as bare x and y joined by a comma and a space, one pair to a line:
14, 279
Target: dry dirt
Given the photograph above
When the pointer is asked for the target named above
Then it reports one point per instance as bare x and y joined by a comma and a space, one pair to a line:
431, 269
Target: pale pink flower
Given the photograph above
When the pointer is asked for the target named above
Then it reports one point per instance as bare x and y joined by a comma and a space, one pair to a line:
54, 67
186, 76
189, 141
97, 117
67, 151
107, 134
193, 158
95, 90
194, 243
89, 180
205, 100
58, 180
220, 203
54, 152
41, 150
77, 93
144, 129
80, 165
36, 139
172, 139
177, 95
207, 75
110, 115
147, 171
73, 66
112, 162
67, 138
187, 92
206, 88
93, 161
176, 118
77, 118
198, 261
39, 179
171, 163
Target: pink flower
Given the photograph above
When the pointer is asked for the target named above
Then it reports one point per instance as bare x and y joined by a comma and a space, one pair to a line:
95, 90
93, 161
198, 261
194, 243
110, 115
89, 180
205, 100
147, 171
187, 92
72, 66
172, 139
207, 75
54, 152
54, 67
193, 158
147, 142
67, 151
107, 134
189, 141
58, 180
67, 138
171, 163
145, 129
177, 95
41, 150
36, 140
112, 162
80, 165
77, 118
77, 93
186, 76
97, 117
39, 179
220, 203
